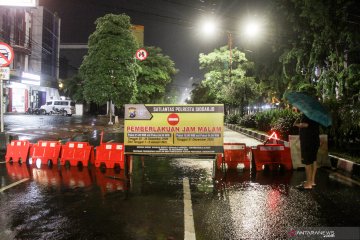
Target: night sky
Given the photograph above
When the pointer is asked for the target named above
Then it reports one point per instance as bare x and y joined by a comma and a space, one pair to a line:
169, 24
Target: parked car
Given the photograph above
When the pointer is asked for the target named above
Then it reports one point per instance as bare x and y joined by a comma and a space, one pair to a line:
62, 107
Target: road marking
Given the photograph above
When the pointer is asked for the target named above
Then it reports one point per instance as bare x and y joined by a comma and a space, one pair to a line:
13, 184
189, 228
3, 162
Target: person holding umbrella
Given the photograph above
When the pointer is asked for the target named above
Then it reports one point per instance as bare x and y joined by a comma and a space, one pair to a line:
313, 114
309, 146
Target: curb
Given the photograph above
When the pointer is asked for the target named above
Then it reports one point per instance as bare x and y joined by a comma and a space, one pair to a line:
338, 163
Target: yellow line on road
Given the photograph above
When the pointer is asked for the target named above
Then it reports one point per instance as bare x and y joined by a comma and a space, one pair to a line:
13, 184
189, 228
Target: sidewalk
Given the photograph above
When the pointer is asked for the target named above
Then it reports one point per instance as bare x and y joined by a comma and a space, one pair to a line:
231, 136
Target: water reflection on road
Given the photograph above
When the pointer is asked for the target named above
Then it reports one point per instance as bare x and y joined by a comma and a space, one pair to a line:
85, 203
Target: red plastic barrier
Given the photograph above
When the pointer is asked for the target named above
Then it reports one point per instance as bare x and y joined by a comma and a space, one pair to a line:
273, 155
17, 151
45, 151
234, 154
111, 154
76, 152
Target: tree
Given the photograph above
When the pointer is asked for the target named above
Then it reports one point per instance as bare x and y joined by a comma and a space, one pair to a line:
155, 74
109, 69
73, 88
321, 36
236, 88
201, 94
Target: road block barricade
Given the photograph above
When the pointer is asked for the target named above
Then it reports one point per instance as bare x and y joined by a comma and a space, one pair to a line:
77, 152
272, 155
110, 154
234, 154
18, 151
45, 151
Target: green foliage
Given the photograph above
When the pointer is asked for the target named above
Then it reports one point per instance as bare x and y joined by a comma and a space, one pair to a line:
155, 74
73, 88
283, 123
109, 70
345, 131
248, 121
232, 118
236, 89
202, 94
263, 120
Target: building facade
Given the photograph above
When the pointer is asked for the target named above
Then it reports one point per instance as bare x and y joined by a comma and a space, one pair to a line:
34, 35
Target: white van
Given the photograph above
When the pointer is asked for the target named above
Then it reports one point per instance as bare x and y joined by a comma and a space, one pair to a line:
63, 107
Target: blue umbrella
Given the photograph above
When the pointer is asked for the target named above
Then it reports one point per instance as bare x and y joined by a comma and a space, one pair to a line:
310, 106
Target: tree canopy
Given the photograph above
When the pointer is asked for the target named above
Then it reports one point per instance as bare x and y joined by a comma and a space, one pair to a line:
155, 74
234, 86
109, 69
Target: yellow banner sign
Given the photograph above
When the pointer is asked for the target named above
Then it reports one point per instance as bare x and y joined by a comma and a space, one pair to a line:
175, 129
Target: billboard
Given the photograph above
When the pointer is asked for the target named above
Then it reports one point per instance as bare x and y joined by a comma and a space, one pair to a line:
19, 3
174, 129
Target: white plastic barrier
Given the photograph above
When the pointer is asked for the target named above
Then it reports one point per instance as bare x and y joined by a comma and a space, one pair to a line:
322, 155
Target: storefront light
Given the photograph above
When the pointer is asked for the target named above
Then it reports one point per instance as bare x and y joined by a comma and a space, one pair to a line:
19, 3
37, 83
31, 76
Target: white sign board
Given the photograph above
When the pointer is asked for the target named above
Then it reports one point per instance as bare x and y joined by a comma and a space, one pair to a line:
4, 73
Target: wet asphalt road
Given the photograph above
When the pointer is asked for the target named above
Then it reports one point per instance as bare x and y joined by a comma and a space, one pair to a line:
61, 203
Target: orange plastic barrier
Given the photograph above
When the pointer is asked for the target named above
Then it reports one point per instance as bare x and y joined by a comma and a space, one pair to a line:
45, 151
77, 152
110, 154
234, 154
17, 151
272, 155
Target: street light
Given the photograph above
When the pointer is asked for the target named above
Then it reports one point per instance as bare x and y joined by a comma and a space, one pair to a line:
251, 27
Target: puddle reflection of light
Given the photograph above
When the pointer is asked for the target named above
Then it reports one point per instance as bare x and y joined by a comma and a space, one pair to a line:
248, 210
38, 163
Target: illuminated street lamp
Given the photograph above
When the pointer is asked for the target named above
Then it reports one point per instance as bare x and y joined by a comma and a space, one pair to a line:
251, 28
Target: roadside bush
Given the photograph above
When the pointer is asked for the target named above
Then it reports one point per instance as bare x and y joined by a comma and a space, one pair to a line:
263, 120
248, 121
284, 123
232, 118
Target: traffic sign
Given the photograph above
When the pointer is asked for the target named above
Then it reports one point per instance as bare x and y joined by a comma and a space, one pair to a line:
6, 54
141, 54
4, 73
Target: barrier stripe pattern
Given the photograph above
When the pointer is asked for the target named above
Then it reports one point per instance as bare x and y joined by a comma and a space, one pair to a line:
189, 229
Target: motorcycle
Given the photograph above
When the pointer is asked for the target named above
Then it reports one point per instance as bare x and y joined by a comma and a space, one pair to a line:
32, 111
